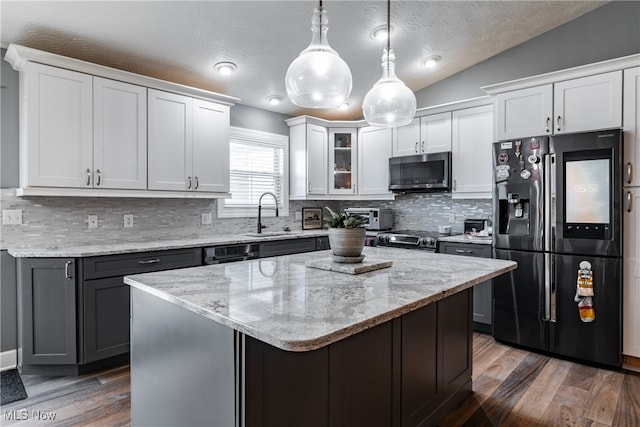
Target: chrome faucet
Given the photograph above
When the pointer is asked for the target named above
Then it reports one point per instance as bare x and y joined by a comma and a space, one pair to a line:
260, 226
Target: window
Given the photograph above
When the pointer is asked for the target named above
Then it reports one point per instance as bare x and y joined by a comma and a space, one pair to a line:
257, 164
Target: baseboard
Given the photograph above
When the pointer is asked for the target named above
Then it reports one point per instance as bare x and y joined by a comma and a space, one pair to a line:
8, 360
631, 363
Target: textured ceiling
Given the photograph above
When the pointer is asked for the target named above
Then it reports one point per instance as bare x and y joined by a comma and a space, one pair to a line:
180, 41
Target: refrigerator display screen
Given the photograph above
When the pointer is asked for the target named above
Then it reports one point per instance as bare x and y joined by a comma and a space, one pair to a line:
587, 187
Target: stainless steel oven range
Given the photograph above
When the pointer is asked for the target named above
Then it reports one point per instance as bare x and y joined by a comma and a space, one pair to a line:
409, 239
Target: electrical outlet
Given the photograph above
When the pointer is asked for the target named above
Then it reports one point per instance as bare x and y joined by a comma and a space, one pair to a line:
128, 221
206, 218
93, 221
12, 216
452, 218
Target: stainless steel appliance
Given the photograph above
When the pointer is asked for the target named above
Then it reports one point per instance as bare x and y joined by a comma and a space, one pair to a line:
231, 253
377, 218
409, 239
420, 173
557, 211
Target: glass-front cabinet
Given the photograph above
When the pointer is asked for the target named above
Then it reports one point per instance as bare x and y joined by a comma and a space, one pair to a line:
343, 157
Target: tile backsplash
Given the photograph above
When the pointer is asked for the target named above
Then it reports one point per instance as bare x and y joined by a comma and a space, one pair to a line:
59, 220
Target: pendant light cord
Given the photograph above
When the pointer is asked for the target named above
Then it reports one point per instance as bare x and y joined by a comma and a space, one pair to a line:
320, 9
388, 34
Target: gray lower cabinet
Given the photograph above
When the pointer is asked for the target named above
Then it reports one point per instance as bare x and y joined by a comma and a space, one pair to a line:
293, 246
73, 314
482, 293
47, 311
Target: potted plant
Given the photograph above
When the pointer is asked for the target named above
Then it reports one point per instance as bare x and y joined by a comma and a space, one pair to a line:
346, 235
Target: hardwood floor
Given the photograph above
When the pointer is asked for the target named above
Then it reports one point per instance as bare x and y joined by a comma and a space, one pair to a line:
511, 387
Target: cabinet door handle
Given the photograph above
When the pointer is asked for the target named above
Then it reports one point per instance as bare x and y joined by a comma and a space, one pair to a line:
150, 261
88, 177
546, 126
67, 270
197, 183
629, 173
558, 123
309, 187
416, 147
422, 147
99, 177
188, 183
454, 185
462, 251
629, 201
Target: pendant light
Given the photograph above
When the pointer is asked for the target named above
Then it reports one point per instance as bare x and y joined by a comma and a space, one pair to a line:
318, 77
389, 103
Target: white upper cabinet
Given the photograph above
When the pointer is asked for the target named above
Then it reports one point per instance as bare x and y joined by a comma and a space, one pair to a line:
82, 131
573, 105
589, 103
525, 112
119, 135
56, 147
317, 148
343, 162
93, 131
471, 154
210, 146
374, 150
426, 134
406, 139
631, 124
435, 133
170, 141
188, 144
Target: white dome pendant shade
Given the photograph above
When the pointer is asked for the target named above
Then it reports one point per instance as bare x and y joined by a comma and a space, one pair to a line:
318, 77
389, 103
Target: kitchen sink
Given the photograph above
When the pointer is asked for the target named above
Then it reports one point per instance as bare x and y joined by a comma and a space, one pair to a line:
272, 233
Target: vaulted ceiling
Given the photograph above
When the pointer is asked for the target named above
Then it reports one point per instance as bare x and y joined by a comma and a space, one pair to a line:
180, 41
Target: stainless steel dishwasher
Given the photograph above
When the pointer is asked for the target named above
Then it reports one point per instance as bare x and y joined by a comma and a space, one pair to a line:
231, 253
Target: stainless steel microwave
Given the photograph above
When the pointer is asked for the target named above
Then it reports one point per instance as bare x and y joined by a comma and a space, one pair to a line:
377, 218
420, 173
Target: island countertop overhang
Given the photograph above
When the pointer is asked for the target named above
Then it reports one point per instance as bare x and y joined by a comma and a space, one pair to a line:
282, 302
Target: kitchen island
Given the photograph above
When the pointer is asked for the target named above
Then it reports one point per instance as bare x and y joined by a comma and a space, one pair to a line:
272, 342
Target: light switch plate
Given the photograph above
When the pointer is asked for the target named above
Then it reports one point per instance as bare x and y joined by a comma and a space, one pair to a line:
93, 221
206, 218
128, 221
12, 216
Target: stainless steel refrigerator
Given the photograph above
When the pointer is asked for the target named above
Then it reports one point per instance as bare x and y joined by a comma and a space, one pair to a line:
557, 213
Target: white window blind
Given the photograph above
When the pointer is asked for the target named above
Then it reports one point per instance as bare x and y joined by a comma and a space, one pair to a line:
257, 162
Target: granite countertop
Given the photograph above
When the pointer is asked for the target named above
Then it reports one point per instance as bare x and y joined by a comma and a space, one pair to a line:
462, 238
83, 249
282, 302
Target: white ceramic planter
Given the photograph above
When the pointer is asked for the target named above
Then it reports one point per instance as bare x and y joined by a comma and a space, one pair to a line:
346, 242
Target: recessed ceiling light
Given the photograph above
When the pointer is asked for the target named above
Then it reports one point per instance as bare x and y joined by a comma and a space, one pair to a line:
431, 61
225, 68
380, 33
274, 100
344, 106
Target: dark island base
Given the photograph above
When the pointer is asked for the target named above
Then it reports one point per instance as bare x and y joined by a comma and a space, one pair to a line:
189, 370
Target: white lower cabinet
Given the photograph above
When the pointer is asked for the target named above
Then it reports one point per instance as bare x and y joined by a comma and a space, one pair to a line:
631, 273
471, 152
188, 144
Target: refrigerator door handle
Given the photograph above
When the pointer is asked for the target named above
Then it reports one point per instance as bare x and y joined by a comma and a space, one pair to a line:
547, 287
552, 297
629, 201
